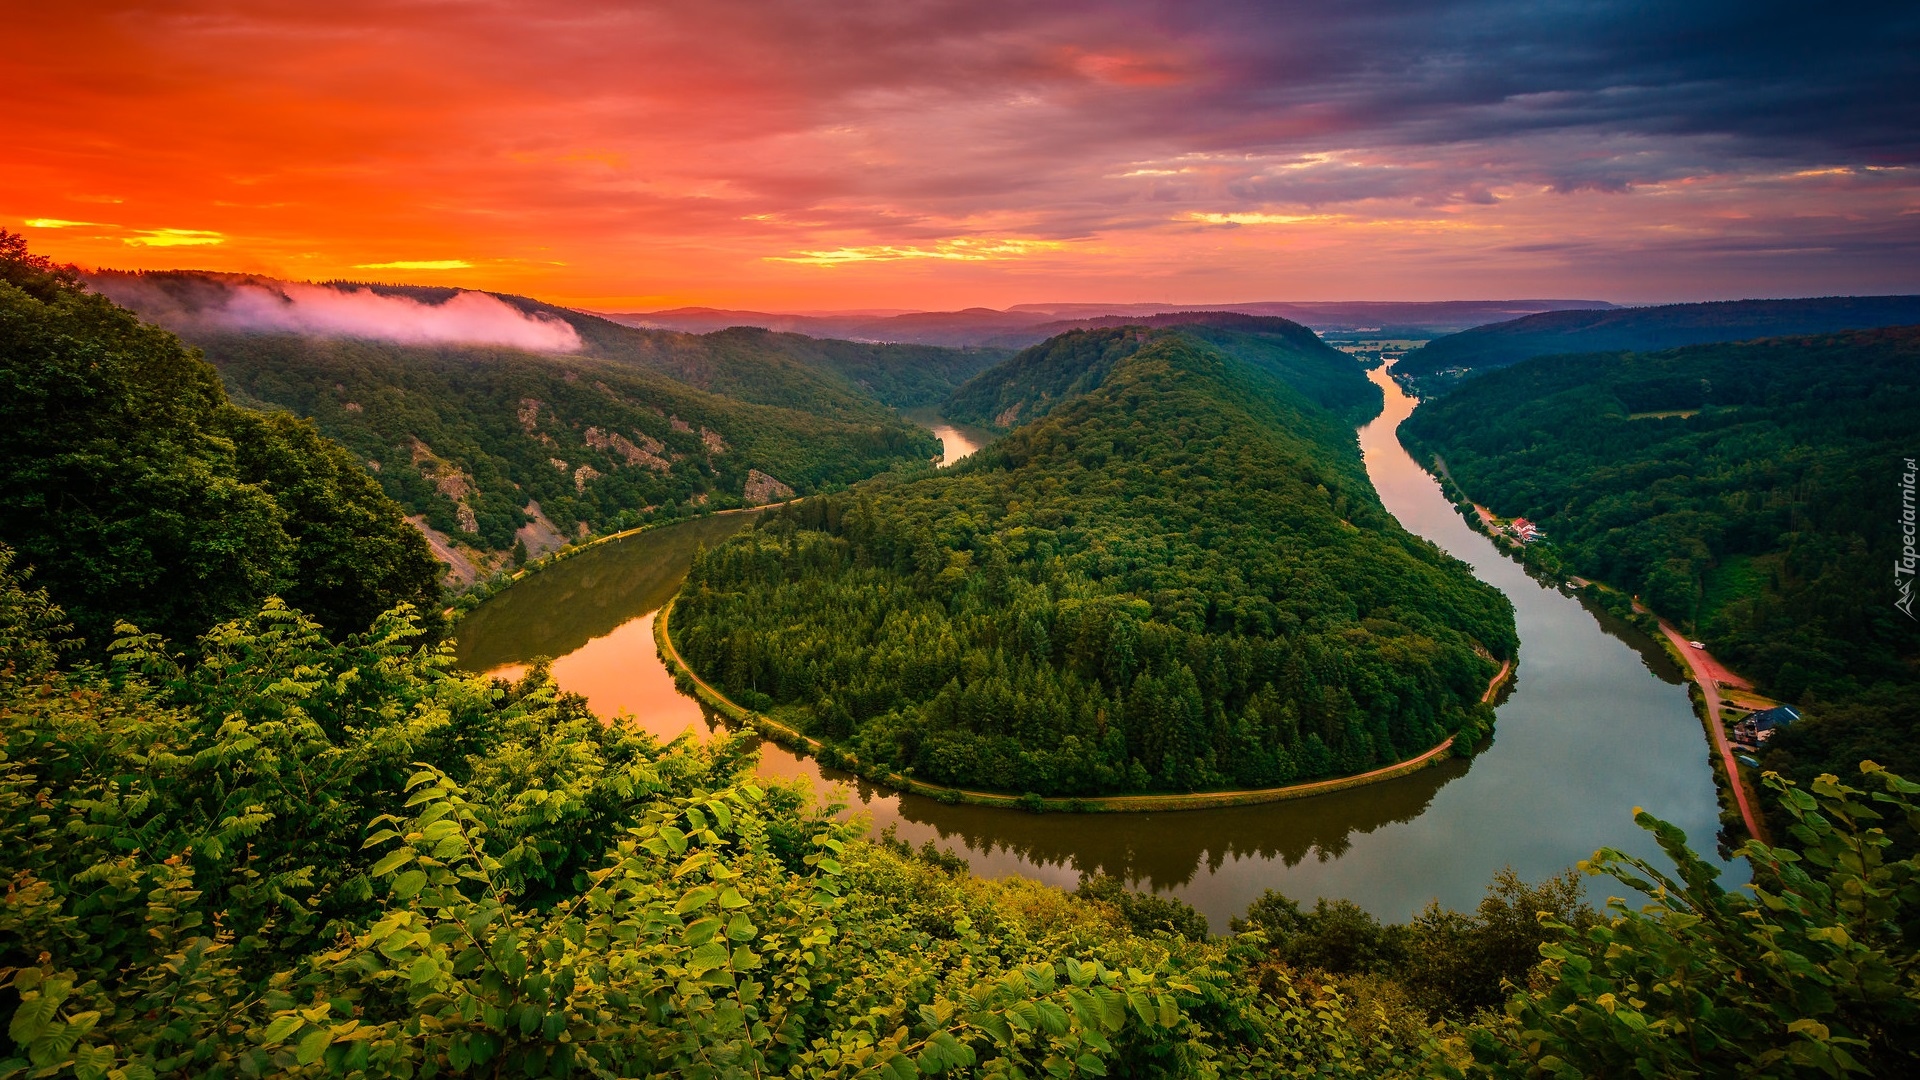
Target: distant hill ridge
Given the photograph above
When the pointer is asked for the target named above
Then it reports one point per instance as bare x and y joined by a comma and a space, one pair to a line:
524, 424
1078, 361
1645, 329
842, 379
1028, 324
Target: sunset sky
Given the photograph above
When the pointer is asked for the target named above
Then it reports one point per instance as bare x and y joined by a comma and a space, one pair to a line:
913, 154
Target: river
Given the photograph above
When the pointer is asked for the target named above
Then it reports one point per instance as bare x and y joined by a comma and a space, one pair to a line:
957, 440
1596, 722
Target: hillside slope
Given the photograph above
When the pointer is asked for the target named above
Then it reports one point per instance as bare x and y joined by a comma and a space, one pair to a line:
136, 490
1483, 348
498, 445
1748, 492
785, 370
473, 437
1180, 579
1037, 379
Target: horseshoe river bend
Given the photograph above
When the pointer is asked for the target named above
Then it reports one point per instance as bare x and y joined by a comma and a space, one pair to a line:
1595, 722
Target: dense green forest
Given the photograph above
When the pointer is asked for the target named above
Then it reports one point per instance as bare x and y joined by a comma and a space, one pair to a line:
848, 380
1441, 362
274, 849
1181, 579
1038, 378
1748, 493
139, 491
483, 440
465, 430
297, 857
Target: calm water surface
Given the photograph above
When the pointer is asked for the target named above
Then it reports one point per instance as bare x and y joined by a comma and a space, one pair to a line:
1596, 723
957, 440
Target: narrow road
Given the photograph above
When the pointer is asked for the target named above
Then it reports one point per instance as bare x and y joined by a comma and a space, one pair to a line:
1707, 672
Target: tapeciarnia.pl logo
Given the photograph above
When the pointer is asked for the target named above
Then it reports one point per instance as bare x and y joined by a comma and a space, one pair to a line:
1903, 568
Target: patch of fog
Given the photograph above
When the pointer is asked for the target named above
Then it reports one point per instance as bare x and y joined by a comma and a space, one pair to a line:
465, 318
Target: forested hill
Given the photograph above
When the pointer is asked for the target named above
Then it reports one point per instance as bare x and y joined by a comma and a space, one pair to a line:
504, 444
846, 380
272, 850
1439, 364
138, 492
486, 441
1040, 377
1180, 579
1749, 493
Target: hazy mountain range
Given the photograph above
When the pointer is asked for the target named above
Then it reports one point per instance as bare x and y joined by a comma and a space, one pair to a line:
1027, 324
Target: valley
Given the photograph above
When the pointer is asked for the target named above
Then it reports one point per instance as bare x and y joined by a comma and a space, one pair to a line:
931, 541
1198, 568
1738, 490
1589, 689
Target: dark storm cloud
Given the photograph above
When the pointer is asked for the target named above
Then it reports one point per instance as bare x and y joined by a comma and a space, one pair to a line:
1819, 82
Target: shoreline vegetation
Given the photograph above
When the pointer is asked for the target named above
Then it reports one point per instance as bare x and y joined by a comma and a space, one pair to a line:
283, 847
1180, 580
481, 591
690, 682
1738, 796
1762, 525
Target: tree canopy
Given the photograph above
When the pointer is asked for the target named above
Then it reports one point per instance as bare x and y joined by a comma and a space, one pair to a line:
300, 857
138, 490
1442, 362
1749, 493
1179, 579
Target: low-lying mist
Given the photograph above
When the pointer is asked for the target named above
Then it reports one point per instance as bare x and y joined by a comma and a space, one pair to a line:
209, 303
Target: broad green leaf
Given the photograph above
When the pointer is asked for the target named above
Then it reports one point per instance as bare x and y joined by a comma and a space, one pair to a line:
694, 899
313, 1044
393, 860
408, 884
278, 1030
30, 1020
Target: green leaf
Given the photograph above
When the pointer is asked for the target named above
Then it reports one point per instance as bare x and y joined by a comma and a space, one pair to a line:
707, 957
408, 884
694, 899
278, 1030
313, 1044
30, 1020
1091, 1065
394, 860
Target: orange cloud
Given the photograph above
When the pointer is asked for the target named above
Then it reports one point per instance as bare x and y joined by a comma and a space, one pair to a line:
933, 154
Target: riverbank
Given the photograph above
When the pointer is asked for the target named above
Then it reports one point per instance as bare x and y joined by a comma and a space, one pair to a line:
799, 742
1706, 673
1703, 671
482, 591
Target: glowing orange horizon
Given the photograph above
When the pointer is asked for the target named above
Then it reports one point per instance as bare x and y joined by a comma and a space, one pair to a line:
766, 156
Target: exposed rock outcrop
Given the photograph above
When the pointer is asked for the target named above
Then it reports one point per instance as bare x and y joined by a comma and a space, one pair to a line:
540, 535
647, 453
763, 489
